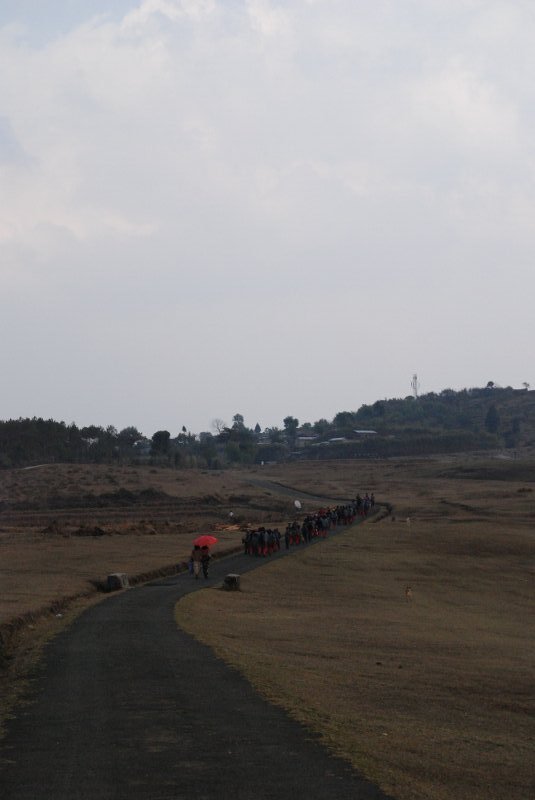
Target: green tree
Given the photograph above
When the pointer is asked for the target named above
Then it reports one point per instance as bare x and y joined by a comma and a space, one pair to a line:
321, 426
492, 420
233, 452
208, 449
344, 421
379, 408
91, 432
238, 423
291, 425
274, 435
160, 443
128, 436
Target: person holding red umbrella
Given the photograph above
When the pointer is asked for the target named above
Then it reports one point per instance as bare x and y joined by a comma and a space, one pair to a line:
200, 554
205, 560
196, 557
205, 540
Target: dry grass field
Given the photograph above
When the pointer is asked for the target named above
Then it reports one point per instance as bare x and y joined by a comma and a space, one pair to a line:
65, 527
428, 693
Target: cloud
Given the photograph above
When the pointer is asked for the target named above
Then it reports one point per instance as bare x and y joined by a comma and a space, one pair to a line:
467, 112
186, 161
136, 134
268, 19
172, 10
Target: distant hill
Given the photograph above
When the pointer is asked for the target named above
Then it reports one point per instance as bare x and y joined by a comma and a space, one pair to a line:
470, 419
450, 421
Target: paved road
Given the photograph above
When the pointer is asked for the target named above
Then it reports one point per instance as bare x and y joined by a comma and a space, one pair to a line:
292, 491
128, 706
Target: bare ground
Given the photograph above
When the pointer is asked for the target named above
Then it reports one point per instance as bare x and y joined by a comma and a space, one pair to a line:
430, 696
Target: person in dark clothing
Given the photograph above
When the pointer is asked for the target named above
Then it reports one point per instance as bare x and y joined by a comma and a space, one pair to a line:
205, 560
196, 558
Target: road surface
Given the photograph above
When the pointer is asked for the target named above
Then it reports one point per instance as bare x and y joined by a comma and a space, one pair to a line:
127, 705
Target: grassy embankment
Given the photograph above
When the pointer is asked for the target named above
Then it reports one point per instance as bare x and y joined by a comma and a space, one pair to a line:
65, 527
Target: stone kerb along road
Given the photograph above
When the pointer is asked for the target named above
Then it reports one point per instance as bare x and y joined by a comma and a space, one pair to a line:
127, 705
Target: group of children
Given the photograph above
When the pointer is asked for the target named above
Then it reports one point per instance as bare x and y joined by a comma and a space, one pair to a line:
261, 542
265, 541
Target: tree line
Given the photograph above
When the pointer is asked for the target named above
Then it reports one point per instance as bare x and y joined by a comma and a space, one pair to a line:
435, 422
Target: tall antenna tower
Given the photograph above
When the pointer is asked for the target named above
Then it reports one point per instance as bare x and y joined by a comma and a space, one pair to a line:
415, 386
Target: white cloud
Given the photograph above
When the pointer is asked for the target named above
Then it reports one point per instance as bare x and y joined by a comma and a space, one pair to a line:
233, 159
172, 10
267, 18
467, 111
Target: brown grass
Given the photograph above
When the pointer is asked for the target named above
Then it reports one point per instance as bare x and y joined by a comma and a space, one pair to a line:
48, 572
431, 697
43, 557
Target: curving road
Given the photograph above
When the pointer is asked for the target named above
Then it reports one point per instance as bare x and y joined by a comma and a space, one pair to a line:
128, 706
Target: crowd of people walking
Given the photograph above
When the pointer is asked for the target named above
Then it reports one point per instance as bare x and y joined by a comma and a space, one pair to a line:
266, 541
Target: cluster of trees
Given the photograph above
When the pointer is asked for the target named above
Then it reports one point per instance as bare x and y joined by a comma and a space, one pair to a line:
490, 409
450, 420
36, 440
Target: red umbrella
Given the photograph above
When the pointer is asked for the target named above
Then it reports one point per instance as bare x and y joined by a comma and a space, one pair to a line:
205, 541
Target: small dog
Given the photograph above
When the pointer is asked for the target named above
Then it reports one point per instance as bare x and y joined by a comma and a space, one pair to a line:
408, 594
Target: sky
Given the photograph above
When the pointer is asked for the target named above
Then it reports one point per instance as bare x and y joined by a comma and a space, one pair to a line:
211, 207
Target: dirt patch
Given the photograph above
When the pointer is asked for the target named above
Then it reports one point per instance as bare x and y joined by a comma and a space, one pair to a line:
121, 498
87, 530
54, 529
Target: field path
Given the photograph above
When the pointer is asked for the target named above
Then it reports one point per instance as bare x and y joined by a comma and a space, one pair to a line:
292, 491
127, 705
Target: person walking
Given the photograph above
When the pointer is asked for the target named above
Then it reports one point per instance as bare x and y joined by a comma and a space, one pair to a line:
196, 557
205, 560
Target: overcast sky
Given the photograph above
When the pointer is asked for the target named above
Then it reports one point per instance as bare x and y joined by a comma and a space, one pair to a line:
210, 207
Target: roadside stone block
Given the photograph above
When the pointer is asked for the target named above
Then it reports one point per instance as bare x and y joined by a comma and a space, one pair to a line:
117, 580
231, 582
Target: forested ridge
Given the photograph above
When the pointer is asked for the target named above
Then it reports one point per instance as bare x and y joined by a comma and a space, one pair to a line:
449, 421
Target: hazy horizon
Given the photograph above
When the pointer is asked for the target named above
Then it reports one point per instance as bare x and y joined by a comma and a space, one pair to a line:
265, 208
